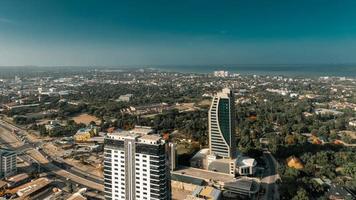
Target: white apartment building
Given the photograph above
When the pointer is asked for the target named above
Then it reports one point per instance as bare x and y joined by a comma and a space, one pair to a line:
7, 163
136, 167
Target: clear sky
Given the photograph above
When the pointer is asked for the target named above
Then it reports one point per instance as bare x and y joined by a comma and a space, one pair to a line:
150, 32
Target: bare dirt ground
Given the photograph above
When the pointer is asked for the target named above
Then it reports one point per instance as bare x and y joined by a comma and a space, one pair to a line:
185, 107
86, 119
351, 134
204, 103
59, 152
87, 168
9, 138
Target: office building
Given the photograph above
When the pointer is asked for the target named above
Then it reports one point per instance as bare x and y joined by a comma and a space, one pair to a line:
7, 163
136, 167
222, 142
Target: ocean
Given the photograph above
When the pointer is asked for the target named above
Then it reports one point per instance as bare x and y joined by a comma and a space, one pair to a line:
340, 70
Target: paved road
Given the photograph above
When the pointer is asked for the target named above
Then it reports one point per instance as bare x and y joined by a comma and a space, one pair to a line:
270, 177
14, 142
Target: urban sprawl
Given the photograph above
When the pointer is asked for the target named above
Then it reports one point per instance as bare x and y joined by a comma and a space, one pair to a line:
107, 133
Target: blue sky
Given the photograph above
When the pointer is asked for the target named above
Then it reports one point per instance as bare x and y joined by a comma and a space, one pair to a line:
103, 32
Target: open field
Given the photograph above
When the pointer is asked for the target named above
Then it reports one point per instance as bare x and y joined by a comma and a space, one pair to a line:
351, 134
86, 119
204, 103
9, 138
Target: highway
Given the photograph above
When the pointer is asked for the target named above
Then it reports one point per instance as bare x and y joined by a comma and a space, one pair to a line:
270, 177
15, 143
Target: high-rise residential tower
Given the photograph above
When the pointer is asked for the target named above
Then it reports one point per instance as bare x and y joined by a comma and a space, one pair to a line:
222, 142
136, 167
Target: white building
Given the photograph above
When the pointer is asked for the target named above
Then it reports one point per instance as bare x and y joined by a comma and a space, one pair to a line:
136, 167
221, 73
352, 123
7, 163
125, 98
246, 166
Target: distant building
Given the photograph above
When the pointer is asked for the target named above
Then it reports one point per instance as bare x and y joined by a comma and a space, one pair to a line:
136, 166
84, 134
352, 123
323, 111
221, 73
7, 163
294, 162
125, 98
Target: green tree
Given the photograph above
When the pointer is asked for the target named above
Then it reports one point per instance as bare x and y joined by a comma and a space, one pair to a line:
301, 195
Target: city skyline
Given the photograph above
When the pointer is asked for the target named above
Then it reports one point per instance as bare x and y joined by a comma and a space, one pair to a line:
111, 33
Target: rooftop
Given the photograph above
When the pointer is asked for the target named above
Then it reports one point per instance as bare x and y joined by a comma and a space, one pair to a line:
31, 187
204, 174
140, 133
18, 177
77, 196
246, 161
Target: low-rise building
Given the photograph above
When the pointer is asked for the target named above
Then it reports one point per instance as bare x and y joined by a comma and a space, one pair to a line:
17, 180
205, 193
246, 166
125, 98
31, 189
84, 134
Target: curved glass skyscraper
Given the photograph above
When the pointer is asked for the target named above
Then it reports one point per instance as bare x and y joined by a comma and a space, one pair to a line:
222, 140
